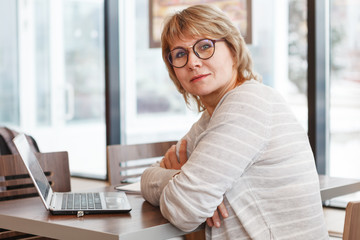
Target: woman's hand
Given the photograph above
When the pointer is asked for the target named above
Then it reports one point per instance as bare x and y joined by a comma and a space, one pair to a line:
170, 160
215, 219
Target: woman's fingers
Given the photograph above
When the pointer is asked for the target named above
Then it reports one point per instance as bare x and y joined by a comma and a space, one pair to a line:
223, 211
167, 163
183, 152
162, 164
171, 161
209, 222
171, 155
215, 219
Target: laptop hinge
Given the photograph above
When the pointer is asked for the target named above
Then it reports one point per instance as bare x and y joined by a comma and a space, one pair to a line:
52, 202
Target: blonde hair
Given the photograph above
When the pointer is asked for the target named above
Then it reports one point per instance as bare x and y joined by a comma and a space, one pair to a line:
205, 21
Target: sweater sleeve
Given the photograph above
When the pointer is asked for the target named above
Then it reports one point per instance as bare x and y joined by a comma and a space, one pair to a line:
155, 178
153, 181
233, 140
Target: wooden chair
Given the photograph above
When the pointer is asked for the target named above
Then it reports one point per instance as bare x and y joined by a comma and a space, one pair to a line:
352, 221
15, 181
127, 162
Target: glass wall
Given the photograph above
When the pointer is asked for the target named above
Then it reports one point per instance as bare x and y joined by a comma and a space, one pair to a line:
9, 89
52, 77
279, 50
344, 88
53, 57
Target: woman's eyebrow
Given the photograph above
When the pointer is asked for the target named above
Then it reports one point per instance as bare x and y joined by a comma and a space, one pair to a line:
184, 47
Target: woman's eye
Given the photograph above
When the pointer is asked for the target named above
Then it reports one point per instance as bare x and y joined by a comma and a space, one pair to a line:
180, 54
205, 46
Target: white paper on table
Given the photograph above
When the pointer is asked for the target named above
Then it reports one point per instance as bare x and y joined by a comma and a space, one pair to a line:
131, 188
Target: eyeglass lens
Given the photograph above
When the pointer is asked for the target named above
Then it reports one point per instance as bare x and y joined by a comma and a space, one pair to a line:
203, 49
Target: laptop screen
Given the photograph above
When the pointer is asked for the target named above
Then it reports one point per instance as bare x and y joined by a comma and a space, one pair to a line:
33, 166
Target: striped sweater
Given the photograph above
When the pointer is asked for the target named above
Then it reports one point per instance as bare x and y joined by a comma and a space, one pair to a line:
252, 154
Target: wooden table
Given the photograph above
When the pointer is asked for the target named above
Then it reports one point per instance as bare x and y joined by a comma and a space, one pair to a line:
143, 222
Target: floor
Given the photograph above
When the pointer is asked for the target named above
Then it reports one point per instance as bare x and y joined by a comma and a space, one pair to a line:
334, 217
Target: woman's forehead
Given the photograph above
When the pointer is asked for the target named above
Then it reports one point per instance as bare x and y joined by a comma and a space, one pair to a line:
185, 40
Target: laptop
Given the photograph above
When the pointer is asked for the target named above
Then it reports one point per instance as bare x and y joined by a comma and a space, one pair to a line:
61, 203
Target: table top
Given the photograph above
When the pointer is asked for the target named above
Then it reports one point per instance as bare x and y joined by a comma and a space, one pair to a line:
331, 187
144, 221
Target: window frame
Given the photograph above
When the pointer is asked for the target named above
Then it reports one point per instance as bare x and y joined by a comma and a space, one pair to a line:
318, 82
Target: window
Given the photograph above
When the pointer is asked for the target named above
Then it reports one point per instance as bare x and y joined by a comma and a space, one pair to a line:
9, 89
279, 50
58, 95
344, 88
52, 76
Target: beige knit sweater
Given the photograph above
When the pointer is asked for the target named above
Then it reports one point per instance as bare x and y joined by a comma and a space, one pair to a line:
252, 154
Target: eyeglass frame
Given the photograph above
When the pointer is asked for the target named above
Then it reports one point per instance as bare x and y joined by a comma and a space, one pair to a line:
195, 52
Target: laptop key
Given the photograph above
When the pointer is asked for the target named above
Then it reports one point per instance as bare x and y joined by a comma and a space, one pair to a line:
91, 204
70, 201
97, 201
77, 201
63, 203
83, 201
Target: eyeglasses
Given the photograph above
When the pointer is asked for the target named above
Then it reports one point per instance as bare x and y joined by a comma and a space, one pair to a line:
203, 49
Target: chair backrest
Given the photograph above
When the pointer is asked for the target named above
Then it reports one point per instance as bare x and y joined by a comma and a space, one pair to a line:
15, 181
127, 162
7, 146
352, 221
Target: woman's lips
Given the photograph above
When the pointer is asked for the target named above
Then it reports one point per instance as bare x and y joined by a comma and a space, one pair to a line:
198, 77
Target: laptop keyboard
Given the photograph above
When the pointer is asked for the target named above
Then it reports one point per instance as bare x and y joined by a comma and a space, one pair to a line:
81, 201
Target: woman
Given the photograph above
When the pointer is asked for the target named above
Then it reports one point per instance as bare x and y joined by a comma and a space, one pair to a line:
247, 152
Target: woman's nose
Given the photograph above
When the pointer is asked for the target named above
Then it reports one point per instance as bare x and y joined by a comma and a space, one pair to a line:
193, 61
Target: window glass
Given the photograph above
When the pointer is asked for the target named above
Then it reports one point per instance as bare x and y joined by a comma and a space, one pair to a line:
279, 50
42, 66
84, 60
296, 92
58, 97
344, 88
9, 105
